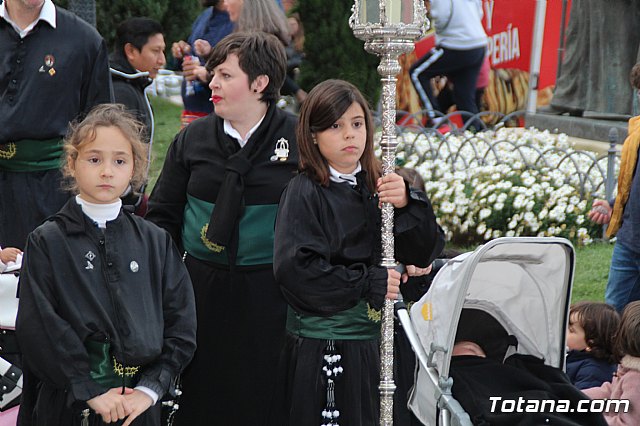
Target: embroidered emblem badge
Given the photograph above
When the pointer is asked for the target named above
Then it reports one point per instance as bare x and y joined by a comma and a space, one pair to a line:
134, 266
89, 256
281, 152
49, 60
427, 311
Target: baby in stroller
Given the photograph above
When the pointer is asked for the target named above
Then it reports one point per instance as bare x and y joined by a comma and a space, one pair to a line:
487, 377
510, 297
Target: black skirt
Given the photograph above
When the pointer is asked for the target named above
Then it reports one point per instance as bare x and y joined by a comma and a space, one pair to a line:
241, 327
301, 390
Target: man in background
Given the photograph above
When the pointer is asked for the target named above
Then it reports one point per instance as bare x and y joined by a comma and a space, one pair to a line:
53, 68
138, 56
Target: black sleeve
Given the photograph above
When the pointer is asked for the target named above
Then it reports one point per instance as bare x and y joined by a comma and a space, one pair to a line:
169, 195
96, 87
126, 95
418, 237
50, 346
179, 314
302, 267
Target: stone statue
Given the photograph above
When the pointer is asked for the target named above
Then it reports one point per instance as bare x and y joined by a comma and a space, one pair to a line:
602, 45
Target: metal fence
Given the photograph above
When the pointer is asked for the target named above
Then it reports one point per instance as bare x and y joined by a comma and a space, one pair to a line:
595, 173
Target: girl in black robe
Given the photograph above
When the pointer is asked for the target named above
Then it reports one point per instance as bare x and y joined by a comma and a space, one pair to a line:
106, 318
326, 256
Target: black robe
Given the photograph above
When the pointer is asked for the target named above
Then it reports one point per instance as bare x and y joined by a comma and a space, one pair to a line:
241, 312
327, 250
524, 379
125, 286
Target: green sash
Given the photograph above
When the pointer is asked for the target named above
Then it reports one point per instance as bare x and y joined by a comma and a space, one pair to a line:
255, 239
105, 370
30, 155
358, 323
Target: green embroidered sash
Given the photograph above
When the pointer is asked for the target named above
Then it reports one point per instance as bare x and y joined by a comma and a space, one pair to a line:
358, 323
30, 155
105, 370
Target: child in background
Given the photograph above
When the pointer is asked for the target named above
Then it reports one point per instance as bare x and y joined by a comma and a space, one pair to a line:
106, 317
412, 177
326, 260
626, 382
592, 328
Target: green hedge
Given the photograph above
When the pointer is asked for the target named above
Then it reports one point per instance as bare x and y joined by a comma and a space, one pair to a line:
332, 51
176, 17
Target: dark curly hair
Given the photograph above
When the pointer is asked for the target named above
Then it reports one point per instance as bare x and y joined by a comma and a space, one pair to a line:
600, 322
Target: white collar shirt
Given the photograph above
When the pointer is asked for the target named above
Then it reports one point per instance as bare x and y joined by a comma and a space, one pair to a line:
350, 178
47, 14
229, 130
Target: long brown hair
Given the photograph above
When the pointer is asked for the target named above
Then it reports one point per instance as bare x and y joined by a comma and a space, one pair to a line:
297, 39
325, 104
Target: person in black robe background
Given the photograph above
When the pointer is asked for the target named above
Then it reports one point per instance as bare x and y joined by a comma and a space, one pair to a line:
326, 257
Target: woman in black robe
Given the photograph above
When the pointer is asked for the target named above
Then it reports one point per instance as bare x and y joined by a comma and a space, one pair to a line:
218, 195
326, 256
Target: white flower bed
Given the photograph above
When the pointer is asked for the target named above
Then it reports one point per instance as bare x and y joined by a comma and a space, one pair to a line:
529, 184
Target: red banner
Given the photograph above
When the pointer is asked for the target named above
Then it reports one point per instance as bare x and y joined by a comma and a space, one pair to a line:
509, 27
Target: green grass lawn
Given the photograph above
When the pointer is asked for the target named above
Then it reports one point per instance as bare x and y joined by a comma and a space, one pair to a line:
592, 271
167, 120
592, 262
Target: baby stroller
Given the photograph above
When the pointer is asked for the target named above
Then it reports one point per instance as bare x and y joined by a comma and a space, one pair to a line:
10, 375
517, 288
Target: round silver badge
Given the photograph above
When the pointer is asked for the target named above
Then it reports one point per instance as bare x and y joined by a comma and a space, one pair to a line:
134, 266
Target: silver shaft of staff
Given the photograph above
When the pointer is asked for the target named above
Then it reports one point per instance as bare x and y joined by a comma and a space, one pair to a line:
388, 40
388, 144
389, 67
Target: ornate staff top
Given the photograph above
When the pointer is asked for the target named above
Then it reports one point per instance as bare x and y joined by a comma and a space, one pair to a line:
399, 19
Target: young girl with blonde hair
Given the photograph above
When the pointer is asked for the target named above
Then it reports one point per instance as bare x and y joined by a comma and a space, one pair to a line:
106, 317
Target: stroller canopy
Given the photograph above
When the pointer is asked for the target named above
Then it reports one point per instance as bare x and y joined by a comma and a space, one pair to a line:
524, 283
